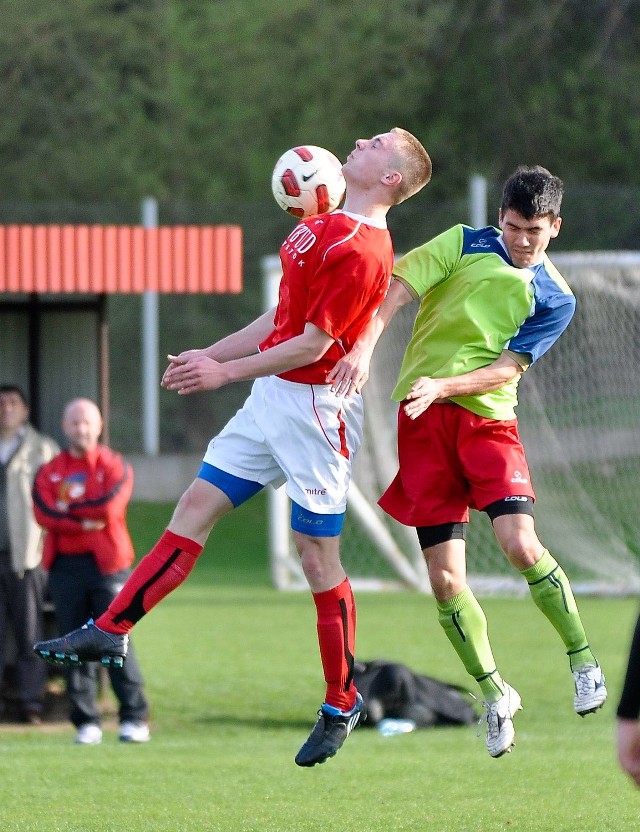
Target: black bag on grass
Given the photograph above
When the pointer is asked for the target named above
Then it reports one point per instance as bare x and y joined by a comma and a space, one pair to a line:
392, 690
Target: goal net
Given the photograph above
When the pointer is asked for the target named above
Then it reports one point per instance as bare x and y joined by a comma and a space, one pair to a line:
579, 419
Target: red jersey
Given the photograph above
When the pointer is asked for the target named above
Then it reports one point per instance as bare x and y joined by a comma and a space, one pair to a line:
335, 273
71, 489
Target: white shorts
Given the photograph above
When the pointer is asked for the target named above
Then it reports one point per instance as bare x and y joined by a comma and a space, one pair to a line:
301, 434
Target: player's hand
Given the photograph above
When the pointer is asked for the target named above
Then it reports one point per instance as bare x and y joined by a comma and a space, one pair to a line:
192, 372
178, 360
424, 392
629, 747
349, 374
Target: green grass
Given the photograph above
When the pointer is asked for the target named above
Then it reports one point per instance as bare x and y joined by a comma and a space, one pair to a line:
233, 674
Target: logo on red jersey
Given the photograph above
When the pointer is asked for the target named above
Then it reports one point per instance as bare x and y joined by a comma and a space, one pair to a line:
300, 240
72, 488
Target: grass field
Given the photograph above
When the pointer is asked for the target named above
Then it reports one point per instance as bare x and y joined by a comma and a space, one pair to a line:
233, 675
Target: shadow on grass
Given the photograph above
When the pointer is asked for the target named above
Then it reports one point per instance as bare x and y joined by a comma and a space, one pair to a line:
254, 722
271, 723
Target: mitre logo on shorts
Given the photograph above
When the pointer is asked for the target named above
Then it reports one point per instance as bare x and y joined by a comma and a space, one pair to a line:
316, 492
517, 477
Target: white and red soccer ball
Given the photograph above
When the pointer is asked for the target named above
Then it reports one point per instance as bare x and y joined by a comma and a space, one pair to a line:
308, 180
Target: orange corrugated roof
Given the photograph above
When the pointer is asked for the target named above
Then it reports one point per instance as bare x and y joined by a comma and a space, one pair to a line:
120, 259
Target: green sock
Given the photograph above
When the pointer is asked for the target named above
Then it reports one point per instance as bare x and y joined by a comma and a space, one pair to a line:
465, 624
552, 594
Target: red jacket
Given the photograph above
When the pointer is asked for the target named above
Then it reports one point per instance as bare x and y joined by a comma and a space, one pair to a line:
71, 489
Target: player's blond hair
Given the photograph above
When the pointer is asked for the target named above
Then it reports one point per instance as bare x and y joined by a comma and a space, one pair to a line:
413, 162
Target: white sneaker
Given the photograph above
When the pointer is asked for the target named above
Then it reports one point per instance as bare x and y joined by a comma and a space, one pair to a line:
591, 692
500, 731
134, 732
89, 734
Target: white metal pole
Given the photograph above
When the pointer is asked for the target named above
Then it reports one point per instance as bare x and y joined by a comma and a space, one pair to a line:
386, 545
277, 501
150, 381
478, 201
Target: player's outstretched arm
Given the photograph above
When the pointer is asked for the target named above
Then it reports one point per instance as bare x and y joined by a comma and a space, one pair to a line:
425, 391
243, 342
351, 372
193, 374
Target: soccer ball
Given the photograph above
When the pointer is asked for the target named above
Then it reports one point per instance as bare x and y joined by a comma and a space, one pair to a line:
308, 180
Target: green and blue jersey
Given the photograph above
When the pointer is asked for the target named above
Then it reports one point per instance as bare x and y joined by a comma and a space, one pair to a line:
475, 304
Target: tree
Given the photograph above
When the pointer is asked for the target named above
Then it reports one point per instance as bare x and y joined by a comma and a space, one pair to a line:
195, 101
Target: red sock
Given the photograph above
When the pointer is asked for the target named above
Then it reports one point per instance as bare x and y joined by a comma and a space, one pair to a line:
158, 573
336, 635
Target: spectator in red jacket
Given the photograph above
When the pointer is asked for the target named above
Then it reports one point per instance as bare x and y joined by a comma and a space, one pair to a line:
80, 498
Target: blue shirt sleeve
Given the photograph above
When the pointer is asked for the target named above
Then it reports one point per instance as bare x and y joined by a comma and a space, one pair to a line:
552, 310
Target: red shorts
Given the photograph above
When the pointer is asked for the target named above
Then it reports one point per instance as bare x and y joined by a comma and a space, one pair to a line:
452, 460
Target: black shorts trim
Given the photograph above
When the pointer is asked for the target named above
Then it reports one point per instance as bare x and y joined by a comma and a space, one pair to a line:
510, 505
432, 535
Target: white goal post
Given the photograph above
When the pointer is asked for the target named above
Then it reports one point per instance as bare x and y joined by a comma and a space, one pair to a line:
579, 417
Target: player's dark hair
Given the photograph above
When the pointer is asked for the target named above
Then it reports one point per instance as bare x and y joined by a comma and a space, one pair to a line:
414, 163
532, 192
13, 388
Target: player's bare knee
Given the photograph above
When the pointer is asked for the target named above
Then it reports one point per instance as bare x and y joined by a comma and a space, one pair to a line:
311, 556
445, 584
314, 570
443, 547
514, 528
320, 560
522, 549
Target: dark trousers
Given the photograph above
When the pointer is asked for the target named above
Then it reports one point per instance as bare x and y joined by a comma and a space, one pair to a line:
21, 601
79, 592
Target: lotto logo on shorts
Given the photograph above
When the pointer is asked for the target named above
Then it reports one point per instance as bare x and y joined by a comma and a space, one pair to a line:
517, 477
309, 521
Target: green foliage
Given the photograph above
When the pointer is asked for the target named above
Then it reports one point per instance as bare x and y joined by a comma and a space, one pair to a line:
195, 101
83, 99
107, 101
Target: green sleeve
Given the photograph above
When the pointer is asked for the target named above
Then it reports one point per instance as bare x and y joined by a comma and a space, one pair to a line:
426, 266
